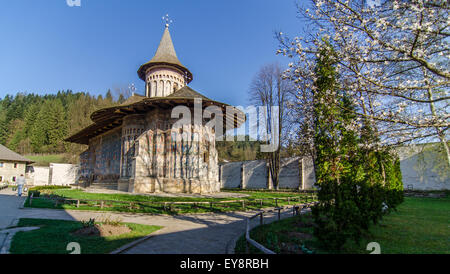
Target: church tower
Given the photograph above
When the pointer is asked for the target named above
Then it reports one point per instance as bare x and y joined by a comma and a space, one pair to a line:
138, 147
164, 74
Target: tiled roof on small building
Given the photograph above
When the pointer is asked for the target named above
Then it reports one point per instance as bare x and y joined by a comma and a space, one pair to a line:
9, 155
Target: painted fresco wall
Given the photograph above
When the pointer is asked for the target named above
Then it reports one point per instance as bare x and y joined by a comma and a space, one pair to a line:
103, 157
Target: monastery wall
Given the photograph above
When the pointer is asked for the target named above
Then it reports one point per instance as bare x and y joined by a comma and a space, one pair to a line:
424, 167
158, 158
55, 174
255, 174
103, 157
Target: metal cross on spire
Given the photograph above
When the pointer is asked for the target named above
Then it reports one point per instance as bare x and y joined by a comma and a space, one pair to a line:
132, 88
167, 20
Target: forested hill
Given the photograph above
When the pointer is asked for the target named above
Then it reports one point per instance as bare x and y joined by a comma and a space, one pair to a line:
38, 124
31, 123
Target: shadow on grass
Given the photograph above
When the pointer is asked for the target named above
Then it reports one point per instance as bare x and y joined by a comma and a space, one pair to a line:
419, 226
140, 207
54, 236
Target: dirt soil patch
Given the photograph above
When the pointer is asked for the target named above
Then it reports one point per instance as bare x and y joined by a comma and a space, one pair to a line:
300, 235
103, 230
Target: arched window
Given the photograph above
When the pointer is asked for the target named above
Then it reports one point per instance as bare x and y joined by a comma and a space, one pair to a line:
154, 87
161, 88
167, 88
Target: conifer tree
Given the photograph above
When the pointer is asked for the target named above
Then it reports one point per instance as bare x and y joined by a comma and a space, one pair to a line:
48, 133
336, 141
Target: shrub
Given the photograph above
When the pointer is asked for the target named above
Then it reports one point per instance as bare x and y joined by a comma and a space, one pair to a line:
89, 223
108, 220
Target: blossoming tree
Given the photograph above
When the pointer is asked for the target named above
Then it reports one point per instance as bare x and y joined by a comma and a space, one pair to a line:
393, 58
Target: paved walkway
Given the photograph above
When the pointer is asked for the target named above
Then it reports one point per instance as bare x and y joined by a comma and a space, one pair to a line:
208, 233
9, 207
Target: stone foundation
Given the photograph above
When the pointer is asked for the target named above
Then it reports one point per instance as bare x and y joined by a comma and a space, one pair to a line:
123, 185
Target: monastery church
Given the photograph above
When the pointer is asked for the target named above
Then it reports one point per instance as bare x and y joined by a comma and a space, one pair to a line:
134, 147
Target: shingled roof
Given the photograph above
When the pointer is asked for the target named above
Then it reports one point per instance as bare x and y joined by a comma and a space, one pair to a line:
187, 93
165, 55
109, 118
9, 155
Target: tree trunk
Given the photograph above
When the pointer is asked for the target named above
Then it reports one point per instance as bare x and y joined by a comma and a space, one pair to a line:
438, 130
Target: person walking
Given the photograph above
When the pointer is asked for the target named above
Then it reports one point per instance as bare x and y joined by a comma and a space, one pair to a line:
20, 184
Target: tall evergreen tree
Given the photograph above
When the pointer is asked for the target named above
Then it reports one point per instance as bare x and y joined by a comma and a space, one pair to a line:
48, 133
356, 179
30, 117
337, 216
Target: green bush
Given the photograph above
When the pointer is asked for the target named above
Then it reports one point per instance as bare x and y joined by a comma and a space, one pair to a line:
87, 224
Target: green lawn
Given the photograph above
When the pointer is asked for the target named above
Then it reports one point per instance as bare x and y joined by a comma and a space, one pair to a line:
54, 235
159, 208
420, 226
45, 160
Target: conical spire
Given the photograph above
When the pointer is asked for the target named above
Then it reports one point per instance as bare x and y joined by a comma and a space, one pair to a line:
166, 51
165, 55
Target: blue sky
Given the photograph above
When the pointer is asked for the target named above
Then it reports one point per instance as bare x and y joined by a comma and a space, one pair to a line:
46, 46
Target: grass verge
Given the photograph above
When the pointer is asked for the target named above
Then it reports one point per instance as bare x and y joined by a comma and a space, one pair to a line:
54, 236
250, 203
45, 160
419, 226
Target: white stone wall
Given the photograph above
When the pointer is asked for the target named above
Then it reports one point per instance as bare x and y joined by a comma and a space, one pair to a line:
290, 173
423, 168
63, 174
308, 173
39, 176
255, 174
56, 174
231, 175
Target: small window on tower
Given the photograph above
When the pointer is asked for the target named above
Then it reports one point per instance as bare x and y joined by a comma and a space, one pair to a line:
175, 87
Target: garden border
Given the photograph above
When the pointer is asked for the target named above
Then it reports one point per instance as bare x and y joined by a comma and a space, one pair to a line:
296, 210
168, 205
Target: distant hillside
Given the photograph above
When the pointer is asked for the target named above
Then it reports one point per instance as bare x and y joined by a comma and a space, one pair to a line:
36, 124
46, 159
239, 151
